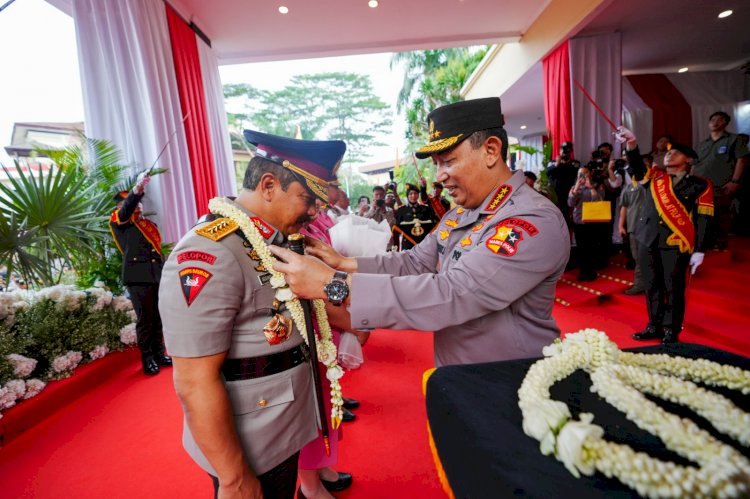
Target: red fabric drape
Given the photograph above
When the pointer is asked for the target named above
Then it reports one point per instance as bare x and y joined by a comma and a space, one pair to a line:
672, 113
193, 104
556, 67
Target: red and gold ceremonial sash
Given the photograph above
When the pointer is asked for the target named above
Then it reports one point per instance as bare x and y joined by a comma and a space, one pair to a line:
673, 212
437, 207
148, 228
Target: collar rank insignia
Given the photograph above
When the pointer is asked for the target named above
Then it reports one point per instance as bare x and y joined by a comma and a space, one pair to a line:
502, 192
450, 222
477, 228
508, 235
466, 241
218, 229
193, 280
265, 230
444, 234
460, 210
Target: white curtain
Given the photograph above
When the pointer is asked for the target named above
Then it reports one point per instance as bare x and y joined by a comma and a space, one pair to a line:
637, 116
217, 121
532, 162
595, 62
130, 98
711, 91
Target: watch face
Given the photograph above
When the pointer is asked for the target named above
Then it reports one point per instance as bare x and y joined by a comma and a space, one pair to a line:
337, 291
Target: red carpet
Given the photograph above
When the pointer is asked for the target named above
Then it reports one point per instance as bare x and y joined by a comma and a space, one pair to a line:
121, 437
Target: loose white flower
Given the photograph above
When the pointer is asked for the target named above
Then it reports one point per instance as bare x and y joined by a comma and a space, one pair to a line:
278, 281
284, 294
547, 416
570, 444
334, 373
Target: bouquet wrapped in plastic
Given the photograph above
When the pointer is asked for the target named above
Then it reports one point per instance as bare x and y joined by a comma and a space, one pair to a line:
358, 236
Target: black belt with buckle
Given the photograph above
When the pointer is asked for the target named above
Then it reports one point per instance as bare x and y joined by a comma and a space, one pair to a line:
266, 365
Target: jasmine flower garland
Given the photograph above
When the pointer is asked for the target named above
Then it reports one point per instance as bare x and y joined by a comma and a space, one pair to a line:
327, 354
619, 377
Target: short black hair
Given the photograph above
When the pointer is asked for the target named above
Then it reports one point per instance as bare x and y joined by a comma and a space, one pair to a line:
477, 139
530, 175
605, 144
724, 115
666, 136
258, 166
378, 188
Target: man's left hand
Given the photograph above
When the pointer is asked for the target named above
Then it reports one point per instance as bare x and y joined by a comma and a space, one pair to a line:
306, 275
730, 188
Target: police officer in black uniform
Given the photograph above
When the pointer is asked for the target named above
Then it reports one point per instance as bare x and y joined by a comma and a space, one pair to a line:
413, 220
139, 241
671, 234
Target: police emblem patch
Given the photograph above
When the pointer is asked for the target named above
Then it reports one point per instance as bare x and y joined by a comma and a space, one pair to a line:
193, 280
508, 235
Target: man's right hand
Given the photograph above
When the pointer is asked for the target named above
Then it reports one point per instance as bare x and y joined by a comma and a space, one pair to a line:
141, 182
247, 488
624, 135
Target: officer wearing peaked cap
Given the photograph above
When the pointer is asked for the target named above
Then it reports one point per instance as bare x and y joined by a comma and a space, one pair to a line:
485, 277
241, 368
139, 241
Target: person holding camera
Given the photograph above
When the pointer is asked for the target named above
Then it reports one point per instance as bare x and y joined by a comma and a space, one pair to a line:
379, 211
562, 176
589, 236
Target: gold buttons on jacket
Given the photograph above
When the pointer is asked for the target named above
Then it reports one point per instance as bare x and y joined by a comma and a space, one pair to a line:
262, 402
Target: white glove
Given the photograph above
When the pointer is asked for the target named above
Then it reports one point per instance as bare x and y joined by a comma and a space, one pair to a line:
141, 182
695, 260
624, 135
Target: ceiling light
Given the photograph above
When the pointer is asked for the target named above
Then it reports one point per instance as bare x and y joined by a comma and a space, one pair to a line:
682, 70
724, 14
523, 127
283, 9
374, 3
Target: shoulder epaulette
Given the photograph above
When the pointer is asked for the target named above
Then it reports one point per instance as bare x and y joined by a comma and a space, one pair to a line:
218, 229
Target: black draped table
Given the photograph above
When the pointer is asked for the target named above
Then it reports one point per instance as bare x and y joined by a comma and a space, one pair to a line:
476, 425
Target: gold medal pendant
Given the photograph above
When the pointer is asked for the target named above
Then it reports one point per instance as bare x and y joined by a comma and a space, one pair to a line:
417, 230
278, 329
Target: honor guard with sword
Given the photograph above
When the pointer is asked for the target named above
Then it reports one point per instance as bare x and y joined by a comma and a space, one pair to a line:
242, 370
414, 221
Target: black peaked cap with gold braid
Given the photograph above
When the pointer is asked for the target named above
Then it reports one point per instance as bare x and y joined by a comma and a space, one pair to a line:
313, 162
450, 125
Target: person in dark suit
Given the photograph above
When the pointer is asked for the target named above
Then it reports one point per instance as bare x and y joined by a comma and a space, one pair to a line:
671, 232
139, 241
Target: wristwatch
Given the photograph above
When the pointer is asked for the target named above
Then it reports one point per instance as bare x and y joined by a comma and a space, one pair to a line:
337, 289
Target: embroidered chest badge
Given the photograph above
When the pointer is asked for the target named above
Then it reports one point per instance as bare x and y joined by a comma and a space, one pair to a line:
477, 228
508, 235
451, 222
444, 234
193, 280
466, 241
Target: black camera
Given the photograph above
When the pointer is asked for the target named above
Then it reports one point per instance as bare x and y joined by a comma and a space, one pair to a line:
380, 203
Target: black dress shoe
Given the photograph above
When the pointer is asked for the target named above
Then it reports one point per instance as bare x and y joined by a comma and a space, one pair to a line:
150, 367
650, 333
343, 483
348, 416
350, 403
670, 336
163, 360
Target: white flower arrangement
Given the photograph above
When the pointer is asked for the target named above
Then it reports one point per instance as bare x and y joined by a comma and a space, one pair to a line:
327, 354
619, 377
22, 366
67, 362
98, 352
33, 387
128, 335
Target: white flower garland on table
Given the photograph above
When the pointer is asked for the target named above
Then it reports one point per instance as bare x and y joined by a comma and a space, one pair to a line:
618, 378
327, 354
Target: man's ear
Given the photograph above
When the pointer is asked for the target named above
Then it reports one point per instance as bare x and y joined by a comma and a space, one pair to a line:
268, 185
493, 148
